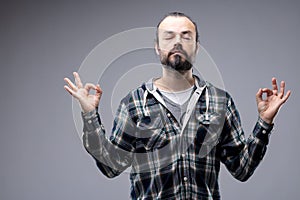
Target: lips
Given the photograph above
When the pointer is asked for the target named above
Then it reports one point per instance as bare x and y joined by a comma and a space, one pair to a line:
179, 53
176, 52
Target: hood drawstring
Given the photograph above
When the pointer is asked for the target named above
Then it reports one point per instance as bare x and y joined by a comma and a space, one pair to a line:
207, 104
147, 90
145, 109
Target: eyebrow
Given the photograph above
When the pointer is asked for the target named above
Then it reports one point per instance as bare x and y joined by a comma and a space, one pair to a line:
186, 32
168, 32
183, 32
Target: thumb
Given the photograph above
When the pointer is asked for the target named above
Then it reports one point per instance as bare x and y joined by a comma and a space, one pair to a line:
259, 95
98, 91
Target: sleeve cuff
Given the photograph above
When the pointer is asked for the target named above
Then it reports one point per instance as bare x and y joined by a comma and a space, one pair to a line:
262, 130
91, 121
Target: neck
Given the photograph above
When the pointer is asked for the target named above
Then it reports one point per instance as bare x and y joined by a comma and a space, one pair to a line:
175, 81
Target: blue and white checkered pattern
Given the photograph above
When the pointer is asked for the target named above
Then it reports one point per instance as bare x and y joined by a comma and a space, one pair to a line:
170, 161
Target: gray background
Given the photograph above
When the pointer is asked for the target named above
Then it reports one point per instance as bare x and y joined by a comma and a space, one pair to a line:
41, 42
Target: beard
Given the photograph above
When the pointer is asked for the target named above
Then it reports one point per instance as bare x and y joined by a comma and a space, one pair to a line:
174, 60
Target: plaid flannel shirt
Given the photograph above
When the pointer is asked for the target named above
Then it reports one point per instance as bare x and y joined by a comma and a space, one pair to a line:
169, 160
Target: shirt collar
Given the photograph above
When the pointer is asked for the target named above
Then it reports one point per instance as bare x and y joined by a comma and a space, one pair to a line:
151, 88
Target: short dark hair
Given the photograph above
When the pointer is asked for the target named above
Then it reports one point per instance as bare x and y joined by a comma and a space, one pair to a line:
177, 14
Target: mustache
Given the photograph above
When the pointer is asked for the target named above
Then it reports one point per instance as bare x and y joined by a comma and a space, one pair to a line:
177, 49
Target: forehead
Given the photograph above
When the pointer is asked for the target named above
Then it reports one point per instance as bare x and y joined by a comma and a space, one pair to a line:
176, 24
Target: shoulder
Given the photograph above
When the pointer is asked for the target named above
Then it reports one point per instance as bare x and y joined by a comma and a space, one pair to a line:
217, 92
134, 102
134, 96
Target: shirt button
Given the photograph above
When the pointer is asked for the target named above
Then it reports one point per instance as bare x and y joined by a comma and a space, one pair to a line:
168, 114
264, 131
89, 121
185, 179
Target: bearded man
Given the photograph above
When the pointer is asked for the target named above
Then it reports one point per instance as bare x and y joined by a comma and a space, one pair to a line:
174, 131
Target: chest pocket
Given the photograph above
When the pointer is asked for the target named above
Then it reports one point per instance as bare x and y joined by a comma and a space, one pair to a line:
209, 128
152, 134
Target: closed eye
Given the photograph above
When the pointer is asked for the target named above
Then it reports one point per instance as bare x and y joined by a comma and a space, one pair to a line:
187, 35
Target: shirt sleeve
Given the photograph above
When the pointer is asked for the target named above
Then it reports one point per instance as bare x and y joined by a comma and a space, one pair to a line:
112, 155
241, 156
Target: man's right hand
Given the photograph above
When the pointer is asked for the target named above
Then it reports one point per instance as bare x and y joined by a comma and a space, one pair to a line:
88, 102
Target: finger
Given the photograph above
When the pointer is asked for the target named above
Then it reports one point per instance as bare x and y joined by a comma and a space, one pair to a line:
282, 87
98, 91
285, 98
274, 85
74, 94
259, 95
267, 91
98, 88
89, 86
77, 80
71, 84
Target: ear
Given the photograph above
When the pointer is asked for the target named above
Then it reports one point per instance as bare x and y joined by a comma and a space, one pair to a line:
156, 48
198, 47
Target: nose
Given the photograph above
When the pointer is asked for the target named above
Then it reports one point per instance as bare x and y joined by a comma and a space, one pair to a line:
178, 39
177, 45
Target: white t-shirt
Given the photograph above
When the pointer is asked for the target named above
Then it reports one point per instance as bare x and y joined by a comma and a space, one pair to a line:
179, 97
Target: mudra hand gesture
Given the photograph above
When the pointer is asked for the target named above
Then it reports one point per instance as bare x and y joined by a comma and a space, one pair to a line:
268, 107
88, 102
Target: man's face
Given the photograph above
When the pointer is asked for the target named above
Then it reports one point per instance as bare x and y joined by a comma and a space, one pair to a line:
176, 43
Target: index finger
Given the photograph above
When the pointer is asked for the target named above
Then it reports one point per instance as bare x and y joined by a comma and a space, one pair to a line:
267, 91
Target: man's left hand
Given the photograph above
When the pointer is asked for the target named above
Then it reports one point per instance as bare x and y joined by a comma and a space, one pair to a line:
268, 107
